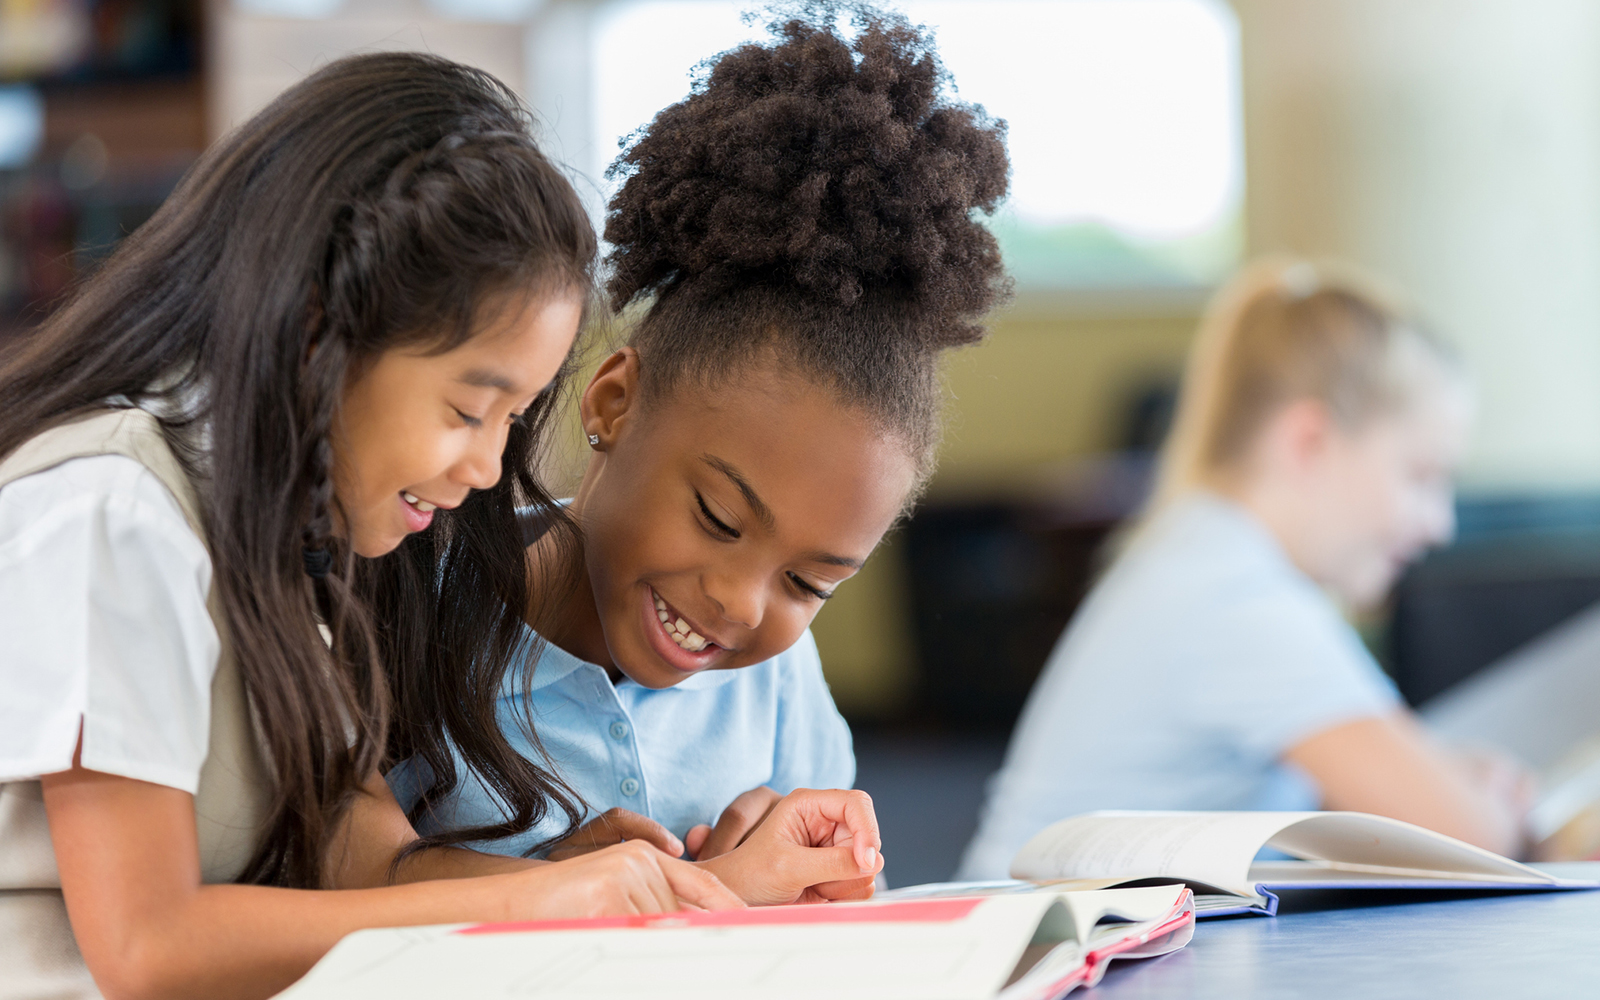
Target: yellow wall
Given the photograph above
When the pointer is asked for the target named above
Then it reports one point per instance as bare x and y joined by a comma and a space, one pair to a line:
1045, 388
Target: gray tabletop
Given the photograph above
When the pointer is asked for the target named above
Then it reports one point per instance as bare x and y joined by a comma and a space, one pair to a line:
1377, 945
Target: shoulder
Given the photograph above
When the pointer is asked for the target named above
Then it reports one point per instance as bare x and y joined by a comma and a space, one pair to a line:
797, 671
113, 491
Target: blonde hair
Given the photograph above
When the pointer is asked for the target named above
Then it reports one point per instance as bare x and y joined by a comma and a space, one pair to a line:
1284, 330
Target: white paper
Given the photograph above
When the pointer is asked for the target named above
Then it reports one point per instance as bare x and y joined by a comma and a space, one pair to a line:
1216, 848
963, 958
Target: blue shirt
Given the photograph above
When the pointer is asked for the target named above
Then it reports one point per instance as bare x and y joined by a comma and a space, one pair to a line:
679, 755
1200, 659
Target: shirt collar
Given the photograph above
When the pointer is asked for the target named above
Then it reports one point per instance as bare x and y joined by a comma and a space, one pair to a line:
556, 664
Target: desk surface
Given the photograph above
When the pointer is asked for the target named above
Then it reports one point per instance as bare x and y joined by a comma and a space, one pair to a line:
1372, 945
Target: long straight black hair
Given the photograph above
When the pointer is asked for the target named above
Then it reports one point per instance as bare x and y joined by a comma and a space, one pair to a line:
385, 201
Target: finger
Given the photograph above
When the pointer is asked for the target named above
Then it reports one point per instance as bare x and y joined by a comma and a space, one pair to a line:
649, 889
742, 816
851, 817
849, 889
695, 839
813, 866
695, 887
616, 825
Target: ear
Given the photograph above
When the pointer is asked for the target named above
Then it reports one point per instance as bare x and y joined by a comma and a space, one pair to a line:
1304, 432
611, 398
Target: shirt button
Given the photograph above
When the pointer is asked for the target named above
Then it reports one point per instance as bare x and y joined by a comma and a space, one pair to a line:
619, 731
630, 786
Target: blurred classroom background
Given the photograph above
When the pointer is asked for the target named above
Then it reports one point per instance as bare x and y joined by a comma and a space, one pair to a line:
1450, 146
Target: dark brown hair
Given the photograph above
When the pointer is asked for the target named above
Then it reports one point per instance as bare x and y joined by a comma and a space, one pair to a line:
814, 196
386, 200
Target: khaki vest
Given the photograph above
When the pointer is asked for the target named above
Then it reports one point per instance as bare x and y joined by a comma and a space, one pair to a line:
38, 956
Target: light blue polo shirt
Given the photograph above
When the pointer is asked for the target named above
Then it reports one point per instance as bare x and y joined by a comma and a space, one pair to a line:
1200, 658
679, 755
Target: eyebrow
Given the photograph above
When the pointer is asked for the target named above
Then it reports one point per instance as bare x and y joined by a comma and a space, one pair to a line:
486, 379
764, 512
751, 497
833, 560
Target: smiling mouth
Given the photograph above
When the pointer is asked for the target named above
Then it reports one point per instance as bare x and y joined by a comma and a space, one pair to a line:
678, 630
422, 506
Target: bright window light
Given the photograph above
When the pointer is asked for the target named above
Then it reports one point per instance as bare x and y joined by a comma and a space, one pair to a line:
1124, 124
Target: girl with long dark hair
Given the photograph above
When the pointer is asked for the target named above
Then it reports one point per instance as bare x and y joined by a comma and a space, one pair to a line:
257, 482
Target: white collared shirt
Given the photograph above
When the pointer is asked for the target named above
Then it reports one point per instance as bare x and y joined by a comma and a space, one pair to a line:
103, 623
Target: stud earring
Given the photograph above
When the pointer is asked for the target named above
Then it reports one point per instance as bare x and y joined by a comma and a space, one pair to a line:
594, 440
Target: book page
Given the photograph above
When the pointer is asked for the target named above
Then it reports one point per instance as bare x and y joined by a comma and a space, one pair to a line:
907, 950
1383, 846
1214, 848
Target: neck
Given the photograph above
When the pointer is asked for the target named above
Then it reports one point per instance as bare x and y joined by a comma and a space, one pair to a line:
1278, 509
575, 627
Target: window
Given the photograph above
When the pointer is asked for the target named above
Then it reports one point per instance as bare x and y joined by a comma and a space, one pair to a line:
1124, 120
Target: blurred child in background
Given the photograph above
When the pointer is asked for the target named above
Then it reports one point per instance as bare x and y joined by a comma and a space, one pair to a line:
1310, 460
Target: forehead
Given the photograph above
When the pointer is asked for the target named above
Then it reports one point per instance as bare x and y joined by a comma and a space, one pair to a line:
517, 346
831, 476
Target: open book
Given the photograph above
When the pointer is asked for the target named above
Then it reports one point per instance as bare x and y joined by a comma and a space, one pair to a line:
1214, 853
1036, 946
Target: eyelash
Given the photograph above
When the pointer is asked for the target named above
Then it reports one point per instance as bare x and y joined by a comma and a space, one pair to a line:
717, 527
727, 532
471, 421
809, 590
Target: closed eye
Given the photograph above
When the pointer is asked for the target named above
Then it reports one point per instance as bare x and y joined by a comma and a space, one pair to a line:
808, 589
468, 419
716, 526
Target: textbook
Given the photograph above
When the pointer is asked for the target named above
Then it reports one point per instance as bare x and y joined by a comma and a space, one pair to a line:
1034, 946
1214, 853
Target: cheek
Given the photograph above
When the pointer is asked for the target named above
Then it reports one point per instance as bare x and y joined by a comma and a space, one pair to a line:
402, 452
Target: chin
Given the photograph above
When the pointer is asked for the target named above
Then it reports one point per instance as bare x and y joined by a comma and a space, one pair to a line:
370, 545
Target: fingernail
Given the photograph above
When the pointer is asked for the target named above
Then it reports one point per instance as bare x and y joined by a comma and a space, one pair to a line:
677, 847
871, 861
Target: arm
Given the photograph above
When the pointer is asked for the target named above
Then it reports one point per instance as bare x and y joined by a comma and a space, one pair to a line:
1390, 766
147, 927
374, 832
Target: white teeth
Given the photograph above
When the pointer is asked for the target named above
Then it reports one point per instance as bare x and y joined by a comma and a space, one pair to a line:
679, 630
410, 498
422, 505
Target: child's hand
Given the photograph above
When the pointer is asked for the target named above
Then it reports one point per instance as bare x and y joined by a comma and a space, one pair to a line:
613, 827
620, 879
812, 847
734, 826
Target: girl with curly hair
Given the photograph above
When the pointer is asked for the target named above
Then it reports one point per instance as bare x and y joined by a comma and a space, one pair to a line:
798, 237
258, 536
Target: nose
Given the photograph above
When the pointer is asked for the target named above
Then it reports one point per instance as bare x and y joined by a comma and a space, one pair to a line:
739, 601
478, 467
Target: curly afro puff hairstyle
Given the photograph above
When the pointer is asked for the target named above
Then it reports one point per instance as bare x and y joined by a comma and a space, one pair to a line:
812, 200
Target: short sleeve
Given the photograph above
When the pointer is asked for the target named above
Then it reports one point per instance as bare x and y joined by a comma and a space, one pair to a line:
813, 747
1284, 665
103, 589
